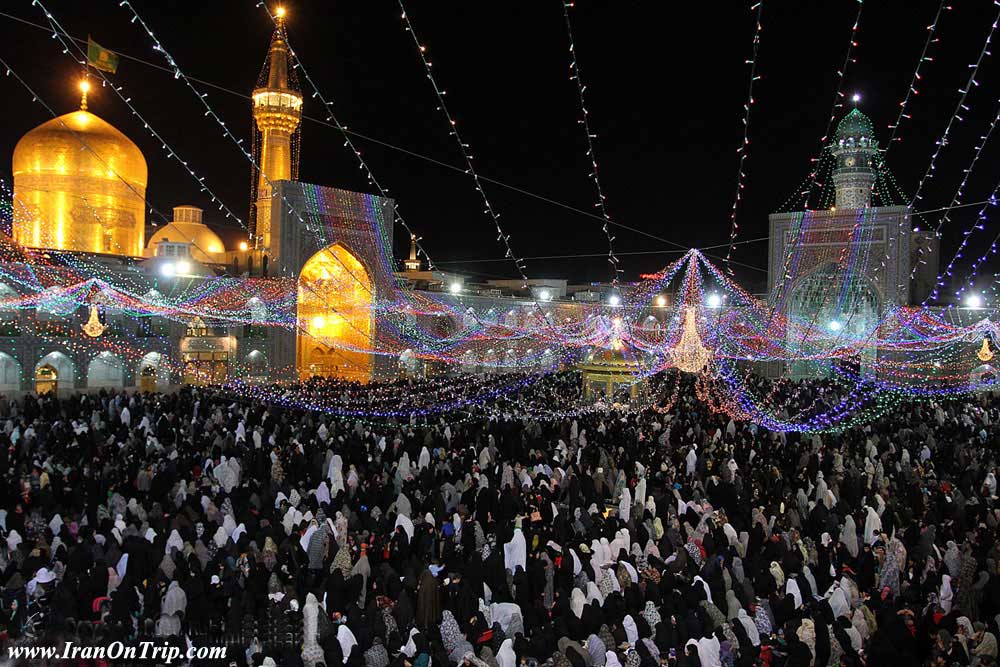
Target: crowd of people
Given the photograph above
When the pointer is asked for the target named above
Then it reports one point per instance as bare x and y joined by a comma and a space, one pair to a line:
515, 530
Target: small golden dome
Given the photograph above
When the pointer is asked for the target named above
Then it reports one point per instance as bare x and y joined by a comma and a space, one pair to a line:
187, 227
79, 184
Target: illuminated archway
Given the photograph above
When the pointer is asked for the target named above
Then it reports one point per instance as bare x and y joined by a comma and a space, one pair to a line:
335, 325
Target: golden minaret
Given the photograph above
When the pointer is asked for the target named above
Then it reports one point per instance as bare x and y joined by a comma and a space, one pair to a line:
277, 111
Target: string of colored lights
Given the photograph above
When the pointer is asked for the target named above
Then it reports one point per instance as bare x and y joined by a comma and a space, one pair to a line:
960, 108
590, 135
743, 150
914, 82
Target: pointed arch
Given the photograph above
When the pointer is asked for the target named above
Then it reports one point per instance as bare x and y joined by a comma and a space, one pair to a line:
335, 318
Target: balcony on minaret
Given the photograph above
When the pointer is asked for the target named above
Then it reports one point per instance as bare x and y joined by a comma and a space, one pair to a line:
855, 150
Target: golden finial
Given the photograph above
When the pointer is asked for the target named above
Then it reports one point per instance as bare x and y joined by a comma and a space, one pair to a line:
84, 89
280, 13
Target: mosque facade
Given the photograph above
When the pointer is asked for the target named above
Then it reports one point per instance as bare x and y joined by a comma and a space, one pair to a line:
840, 269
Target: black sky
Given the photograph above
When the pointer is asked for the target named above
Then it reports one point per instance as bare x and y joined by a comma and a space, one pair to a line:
666, 83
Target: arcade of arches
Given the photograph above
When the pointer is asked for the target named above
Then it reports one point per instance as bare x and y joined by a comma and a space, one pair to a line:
335, 326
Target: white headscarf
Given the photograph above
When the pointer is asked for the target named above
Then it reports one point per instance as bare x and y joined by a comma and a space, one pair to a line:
751, 628
515, 552
577, 601
792, 588
405, 522
945, 594
631, 631
506, 656
873, 523
347, 640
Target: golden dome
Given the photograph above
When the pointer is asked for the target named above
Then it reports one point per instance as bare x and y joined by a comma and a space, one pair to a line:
79, 184
204, 245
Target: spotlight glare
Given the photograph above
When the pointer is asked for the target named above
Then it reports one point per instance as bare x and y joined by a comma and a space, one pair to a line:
714, 300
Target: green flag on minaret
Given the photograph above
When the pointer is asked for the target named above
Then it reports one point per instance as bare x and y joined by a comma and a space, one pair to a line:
101, 58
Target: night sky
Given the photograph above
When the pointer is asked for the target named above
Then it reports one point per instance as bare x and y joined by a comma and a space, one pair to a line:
666, 84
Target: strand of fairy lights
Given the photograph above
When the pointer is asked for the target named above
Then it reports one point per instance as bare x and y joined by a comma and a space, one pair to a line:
743, 150
590, 136
914, 82
902, 115
957, 199
464, 150
440, 93
960, 108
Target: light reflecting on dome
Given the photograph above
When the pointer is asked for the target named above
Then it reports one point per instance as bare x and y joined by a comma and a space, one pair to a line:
79, 184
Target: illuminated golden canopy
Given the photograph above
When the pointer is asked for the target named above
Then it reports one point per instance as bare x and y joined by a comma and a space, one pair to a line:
335, 321
79, 184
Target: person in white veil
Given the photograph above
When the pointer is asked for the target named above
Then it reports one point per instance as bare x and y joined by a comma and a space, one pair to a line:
505, 656
631, 631
515, 552
792, 588
849, 536
577, 601
175, 601
347, 640
946, 595
312, 653
749, 626
625, 505
873, 524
